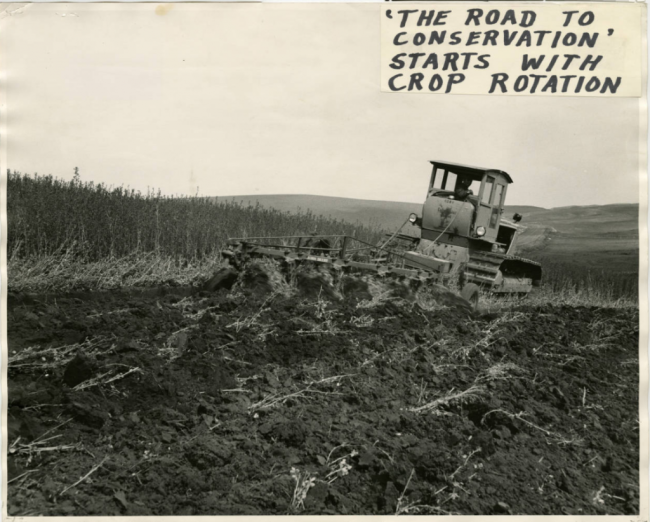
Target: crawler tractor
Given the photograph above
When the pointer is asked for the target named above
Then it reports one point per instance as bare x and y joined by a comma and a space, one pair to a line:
464, 240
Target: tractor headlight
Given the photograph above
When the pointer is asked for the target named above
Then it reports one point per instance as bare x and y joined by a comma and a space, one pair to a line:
413, 218
480, 231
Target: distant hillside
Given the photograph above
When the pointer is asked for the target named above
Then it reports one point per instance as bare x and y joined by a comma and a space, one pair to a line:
598, 236
384, 214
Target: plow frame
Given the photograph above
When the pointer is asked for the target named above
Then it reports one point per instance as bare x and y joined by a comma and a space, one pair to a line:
339, 251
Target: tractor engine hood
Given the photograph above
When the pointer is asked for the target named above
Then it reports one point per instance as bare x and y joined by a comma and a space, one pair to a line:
440, 214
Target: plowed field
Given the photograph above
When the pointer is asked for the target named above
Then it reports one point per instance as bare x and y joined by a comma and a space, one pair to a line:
244, 403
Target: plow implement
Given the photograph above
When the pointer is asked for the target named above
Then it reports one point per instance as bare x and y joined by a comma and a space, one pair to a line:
338, 266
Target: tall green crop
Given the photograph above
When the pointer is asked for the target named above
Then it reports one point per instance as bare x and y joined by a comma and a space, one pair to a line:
46, 215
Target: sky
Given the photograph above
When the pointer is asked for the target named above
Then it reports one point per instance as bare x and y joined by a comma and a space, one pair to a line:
281, 99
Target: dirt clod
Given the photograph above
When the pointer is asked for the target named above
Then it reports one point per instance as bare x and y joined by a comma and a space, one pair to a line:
224, 278
78, 370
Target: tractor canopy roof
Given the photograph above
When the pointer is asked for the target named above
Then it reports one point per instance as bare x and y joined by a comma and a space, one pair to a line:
475, 173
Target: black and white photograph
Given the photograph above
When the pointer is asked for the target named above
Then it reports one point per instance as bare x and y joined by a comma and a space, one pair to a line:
296, 259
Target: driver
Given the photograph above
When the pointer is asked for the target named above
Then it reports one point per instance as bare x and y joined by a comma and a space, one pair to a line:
463, 191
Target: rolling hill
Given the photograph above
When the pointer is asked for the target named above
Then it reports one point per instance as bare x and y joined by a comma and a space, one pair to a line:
603, 237
598, 236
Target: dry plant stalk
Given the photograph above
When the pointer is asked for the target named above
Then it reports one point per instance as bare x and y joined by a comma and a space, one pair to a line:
275, 398
474, 392
99, 380
95, 468
22, 475
340, 467
247, 322
53, 357
490, 334
465, 462
404, 509
37, 447
304, 482
500, 371
560, 439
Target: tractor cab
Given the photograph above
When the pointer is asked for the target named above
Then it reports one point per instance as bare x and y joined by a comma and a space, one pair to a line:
463, 203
